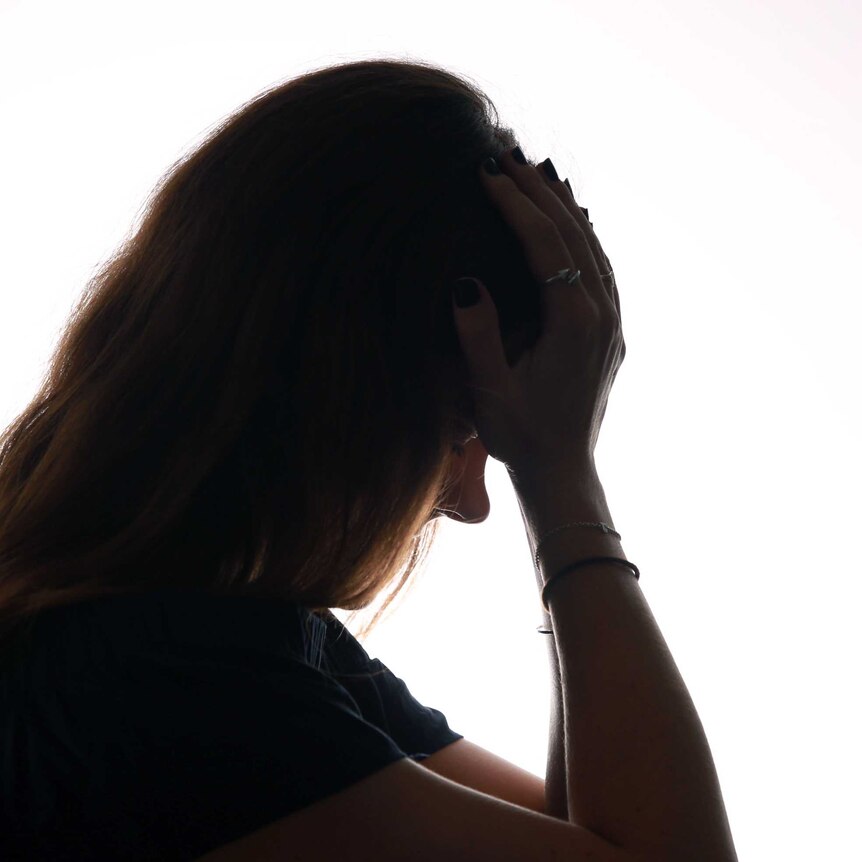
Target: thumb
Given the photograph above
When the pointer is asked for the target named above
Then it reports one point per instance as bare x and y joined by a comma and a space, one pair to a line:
478, 329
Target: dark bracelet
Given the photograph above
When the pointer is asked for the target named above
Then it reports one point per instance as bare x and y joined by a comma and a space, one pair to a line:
572, 566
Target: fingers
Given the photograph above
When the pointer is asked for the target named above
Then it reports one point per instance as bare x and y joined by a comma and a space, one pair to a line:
564, 192
554, 199
582, 218
545, 250
567, 196
478, 328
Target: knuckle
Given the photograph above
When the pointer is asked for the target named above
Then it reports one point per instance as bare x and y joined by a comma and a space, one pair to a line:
610, 323
608, 326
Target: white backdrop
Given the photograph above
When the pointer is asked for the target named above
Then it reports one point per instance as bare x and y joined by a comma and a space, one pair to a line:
717, 148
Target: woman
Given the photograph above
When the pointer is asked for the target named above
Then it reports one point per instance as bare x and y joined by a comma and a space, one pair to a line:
257, 412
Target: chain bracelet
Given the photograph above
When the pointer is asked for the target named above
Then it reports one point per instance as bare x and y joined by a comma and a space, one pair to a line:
603, 527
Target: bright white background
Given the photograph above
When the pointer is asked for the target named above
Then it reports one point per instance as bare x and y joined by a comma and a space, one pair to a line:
717, 148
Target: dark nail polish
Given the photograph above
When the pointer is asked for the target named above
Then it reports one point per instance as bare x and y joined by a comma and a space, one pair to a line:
491, 167
566, 181
518, 156
550, 170
586, 212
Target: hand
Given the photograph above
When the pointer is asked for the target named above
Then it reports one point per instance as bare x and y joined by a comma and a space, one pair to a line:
548, 408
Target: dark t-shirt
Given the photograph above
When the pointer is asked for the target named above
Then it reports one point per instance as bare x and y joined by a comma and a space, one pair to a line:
162, 725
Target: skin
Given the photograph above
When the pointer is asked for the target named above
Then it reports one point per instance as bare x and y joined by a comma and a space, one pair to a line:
467, 500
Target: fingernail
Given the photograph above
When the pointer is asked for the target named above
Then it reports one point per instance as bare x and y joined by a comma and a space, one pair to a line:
491, 167
566, 181
586, 212
550, 170
519, 156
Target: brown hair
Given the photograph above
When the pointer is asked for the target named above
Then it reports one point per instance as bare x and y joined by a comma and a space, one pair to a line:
257, 392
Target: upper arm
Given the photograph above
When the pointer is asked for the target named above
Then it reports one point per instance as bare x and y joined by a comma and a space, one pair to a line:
476, 767
406, 812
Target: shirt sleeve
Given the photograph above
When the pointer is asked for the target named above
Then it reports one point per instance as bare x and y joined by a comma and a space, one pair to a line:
384, 698
191, 752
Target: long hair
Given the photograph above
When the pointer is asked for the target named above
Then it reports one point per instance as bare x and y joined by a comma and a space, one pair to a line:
258, 390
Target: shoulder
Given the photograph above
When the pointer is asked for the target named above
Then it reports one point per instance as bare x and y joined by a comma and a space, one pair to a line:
220, 739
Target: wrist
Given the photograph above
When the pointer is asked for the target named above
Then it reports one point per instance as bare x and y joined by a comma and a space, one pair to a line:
559, 493
539, 470
567, 493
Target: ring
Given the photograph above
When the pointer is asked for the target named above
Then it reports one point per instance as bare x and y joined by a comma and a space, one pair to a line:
563, 275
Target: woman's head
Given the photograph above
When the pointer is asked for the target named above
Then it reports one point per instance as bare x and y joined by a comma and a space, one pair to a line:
259, 391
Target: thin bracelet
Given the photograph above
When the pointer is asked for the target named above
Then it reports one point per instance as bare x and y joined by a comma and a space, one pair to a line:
618, 560
603, 527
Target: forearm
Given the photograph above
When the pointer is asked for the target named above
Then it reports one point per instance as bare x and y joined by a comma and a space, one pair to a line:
638, 769
556, 798
556, 801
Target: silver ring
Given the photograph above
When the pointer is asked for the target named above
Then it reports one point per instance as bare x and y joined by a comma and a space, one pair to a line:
563, 275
